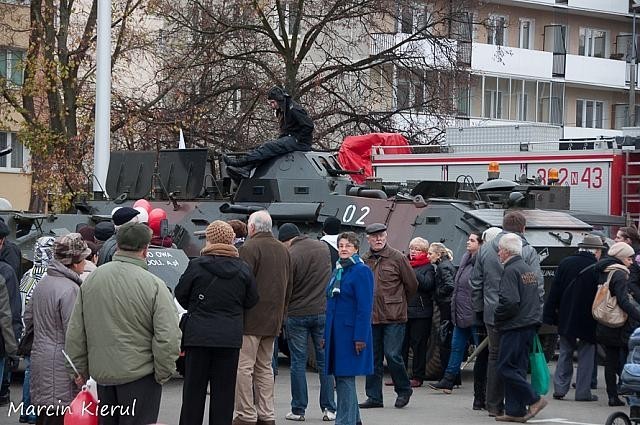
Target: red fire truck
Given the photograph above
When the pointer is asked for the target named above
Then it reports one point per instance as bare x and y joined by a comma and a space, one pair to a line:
604, 176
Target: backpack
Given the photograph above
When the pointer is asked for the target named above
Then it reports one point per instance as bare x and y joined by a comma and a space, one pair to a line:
605, 308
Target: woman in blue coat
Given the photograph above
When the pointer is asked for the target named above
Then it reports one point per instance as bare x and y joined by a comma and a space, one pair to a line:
348, 339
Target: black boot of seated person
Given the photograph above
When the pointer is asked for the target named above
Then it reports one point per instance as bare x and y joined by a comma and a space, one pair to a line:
237, 173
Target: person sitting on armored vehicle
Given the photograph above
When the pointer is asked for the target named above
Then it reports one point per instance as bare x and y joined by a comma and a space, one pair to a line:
296, 129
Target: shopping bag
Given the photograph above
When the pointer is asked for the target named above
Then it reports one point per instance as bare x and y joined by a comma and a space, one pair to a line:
540, 376
83, 410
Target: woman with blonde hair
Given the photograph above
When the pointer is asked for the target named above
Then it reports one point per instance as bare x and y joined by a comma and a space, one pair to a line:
419, 311
441, 257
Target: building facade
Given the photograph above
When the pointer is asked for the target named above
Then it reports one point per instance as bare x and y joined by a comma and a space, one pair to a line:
559, 62
15, 177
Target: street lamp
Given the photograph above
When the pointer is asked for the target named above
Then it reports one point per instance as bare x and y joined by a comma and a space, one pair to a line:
632, 69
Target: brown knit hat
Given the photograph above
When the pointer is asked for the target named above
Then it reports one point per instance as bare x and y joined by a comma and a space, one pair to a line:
220, 232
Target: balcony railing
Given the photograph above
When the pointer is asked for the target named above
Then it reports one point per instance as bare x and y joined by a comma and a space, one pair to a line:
511, 60
595, 71
440, 52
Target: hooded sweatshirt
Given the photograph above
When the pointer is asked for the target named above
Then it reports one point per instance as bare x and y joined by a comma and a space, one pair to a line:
42, 256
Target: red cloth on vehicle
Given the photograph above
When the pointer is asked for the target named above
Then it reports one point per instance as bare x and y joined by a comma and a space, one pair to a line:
355, 151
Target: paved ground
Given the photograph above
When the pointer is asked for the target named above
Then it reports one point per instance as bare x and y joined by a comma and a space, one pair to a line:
426, 406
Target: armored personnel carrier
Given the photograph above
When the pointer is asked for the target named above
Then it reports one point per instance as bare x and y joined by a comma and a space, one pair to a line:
307, 187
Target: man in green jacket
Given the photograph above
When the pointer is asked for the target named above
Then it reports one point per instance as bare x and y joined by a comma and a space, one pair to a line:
124, 332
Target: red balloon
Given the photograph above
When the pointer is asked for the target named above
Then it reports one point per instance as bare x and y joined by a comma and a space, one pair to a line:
144, 204
155, 217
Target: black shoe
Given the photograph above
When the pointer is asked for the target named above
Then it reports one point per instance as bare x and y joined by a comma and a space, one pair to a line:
5, 395
615, 401
478, 404
592, 398
370, 404
403, 400
557, 396
237, 173
231, 161
445, 384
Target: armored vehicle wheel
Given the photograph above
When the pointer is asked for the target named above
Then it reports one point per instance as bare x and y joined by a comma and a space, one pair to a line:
618, 418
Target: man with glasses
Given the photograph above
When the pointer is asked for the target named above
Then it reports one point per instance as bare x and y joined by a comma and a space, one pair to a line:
296, 129
394, 283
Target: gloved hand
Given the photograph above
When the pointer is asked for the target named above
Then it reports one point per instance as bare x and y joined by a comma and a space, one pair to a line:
13, 361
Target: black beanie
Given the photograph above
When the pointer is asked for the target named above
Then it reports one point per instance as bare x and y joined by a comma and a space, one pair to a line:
288, 231
331, 226
277, 94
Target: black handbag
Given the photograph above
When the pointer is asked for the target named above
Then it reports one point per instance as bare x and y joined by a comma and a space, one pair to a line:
26, 343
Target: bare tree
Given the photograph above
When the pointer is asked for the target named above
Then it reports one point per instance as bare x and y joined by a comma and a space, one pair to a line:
55, 95
357, 66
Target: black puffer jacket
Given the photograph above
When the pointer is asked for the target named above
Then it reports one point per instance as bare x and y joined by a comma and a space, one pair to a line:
228, 288
618, 286
421, 305
445, 281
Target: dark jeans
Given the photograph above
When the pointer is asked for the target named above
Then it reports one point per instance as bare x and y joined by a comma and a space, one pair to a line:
299, 329
613, 363
144, 393
348, 412
387, 342
495, 386
273, 149
459, 343
214, 367
480, 369
513, 363
445, 345
416, 338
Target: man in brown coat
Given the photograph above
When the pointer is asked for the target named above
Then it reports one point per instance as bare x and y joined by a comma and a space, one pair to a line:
269, 260
394, 283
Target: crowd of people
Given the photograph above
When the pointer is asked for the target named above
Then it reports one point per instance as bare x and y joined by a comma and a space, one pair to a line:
90, 296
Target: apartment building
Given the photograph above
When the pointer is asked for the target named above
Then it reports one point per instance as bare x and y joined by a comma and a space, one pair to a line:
560, 62
15, 178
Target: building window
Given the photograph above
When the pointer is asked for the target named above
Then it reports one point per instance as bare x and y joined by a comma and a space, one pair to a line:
11, 65
462, 26
16, 158
497, 30
518, 100
592, 43
525, 39
621, 116
410, 85
413, 17
290, 14
234, 103
589, 113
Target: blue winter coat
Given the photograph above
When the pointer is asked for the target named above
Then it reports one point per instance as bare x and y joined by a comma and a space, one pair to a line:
348, 320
